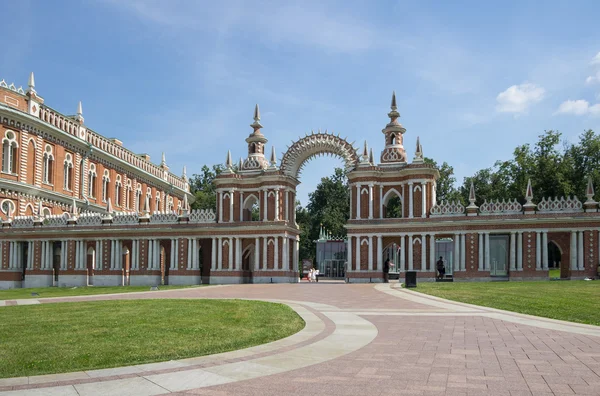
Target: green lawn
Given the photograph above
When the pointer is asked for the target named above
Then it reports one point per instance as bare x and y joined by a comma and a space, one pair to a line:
17, 294
575, 301
55, 338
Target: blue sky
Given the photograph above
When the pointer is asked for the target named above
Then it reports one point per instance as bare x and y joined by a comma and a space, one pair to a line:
473, 80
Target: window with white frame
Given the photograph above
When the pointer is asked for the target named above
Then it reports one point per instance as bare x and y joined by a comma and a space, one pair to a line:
148, 197
157, 198
128, 195
8, 207
170, 204
105, 181
48, 165
68, 172
138, 197
9, 152
118, 186
92, 181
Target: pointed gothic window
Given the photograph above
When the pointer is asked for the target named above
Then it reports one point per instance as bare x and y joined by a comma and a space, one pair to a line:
128, 195
68, 172
118, 187
157, 198
138, 197
9, 152
48, 165
92, 181
105, 181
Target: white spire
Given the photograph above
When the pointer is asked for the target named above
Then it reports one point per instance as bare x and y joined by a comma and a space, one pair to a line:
147, 206
79, 109
74, 207
184, 206
184, 174
256, 125
418, 153
273, 158
371, 157
228, 163
31, 83
109, 208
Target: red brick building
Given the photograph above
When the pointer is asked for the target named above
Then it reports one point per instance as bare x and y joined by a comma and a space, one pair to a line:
501, 240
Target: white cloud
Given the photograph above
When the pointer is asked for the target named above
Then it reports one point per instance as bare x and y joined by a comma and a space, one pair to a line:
578, 107
518, 98
596, 59
593, 79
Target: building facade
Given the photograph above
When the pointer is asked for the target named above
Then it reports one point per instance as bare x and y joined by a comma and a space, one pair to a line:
252, 237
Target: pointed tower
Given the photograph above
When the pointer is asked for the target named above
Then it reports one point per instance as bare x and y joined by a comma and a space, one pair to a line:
79, 116
590, 205
228, 164
163, 161
31, 84
184, 174
371, 160
472, 208
418, 159
529, 206
273, 160
256, 160
364, 158
34, 101
393, 153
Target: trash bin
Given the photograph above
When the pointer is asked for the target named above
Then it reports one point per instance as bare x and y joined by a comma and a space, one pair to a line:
410, 279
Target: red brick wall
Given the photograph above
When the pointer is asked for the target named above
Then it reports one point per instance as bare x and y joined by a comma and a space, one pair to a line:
416, 253
364, 202
14, 99
364, 254
417, 199
472, 253
225, 254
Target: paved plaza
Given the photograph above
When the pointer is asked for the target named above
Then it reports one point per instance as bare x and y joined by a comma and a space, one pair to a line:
360, 339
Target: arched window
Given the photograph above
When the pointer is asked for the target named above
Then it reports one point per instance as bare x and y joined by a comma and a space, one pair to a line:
92, 181
8, 207
105, 181
9, 152
48, 165
170, 204
68, 172
129, 195
157, 198
118, 186
392, 204
138, 197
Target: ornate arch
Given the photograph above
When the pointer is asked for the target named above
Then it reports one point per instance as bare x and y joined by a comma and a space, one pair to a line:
315, 144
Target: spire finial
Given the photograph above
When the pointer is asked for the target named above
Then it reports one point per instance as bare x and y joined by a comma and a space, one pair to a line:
31, 83
184, 174
366, 150
79, 109
147, 205
228, 163
589, 191
418, 152
371, 157
163, 161
394, 113
273, 158
394, 107
241, 164
472, 195
109, 208
74, 207
256, 125
529, 193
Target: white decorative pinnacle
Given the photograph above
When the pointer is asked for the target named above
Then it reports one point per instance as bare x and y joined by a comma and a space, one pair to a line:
109, 208
273, 158
241, 164
79, 109
163, 161
371, 157
31, 83
74, 208
185, 205
40, 208
228, 163
529, 195
393, 105
147, 206
256, 125
589, 191
365, 155
184, 174
418, 153
472, 197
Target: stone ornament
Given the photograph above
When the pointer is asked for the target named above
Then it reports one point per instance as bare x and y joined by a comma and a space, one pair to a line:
89, 219
202, 216
500, 207
553, 205
163, 218
125, 219
22, 222
448, 208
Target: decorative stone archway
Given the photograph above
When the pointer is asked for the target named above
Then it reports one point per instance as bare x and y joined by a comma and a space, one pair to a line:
316, 144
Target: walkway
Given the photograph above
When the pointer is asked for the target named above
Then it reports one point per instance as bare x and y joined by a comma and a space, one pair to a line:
360, 340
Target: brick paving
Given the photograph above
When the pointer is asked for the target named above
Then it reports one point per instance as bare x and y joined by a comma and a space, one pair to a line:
420, 348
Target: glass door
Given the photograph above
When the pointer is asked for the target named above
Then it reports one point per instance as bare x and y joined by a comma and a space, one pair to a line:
392, 253
499, 248
444, 248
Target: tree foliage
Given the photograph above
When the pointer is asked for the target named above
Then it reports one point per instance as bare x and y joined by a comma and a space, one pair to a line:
203, 188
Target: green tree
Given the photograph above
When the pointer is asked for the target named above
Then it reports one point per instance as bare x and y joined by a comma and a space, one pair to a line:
202, 186
445, 190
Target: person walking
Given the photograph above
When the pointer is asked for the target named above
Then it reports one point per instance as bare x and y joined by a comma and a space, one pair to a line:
441, 268
386, 271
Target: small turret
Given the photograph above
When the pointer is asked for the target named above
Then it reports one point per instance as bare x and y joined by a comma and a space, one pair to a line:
256, 160
228, 163
31, 84
394, 152
590, 205
418, 159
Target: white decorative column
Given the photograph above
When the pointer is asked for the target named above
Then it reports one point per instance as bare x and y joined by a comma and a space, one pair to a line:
220, 203
265, 204
287, 206
358, 254
370, 256
580, 251
296, 252
463, 252
545, 250
349, 255
512, 251
520, 251
276, 204
370, 201
231, 205
213, 254
172, 254
134, 255
410, 253
381, 201
276, 253
410, 200
403, 253
238, 253
379, 253
573, 250
256, 254
480, 253
432, 261
424, 252
538, 250
456, 264
113, 252
487, 251
196, 264
100, 255
285, 265
220, 253
358, 201
241, 206
190, 251
351, 186
264, 255
230, 258
424, 199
